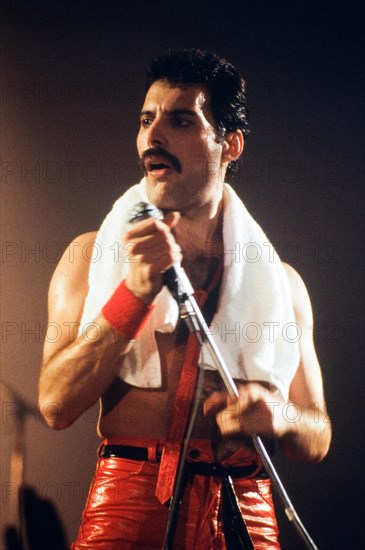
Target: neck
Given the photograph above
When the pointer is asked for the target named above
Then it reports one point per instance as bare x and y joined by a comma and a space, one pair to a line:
201, 228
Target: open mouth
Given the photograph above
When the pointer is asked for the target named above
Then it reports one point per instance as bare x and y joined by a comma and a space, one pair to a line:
158, 166
157, 161
154, 165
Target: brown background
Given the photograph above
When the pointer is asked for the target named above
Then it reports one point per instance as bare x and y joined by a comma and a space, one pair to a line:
72, 85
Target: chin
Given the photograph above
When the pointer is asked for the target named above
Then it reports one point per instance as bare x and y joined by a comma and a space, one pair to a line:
162, 197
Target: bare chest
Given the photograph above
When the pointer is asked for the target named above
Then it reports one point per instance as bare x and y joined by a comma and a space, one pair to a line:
201, 269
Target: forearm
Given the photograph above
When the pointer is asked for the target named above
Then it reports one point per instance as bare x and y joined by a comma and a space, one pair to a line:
308, 438
74, 378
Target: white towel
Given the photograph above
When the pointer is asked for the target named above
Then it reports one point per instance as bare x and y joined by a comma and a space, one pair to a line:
254, 326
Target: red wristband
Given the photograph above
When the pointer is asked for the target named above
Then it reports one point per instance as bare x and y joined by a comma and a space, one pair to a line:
126, 313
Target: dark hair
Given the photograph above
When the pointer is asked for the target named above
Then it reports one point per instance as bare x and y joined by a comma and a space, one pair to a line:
225, 84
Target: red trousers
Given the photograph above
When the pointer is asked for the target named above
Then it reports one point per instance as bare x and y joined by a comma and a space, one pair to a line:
123, 513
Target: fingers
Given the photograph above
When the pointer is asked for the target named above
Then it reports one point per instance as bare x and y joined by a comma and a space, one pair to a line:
215, 403
152, 225
152, 240
253, 412
152, 250
248, 393
171, 219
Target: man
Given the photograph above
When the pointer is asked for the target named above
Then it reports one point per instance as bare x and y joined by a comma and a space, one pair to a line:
134, 354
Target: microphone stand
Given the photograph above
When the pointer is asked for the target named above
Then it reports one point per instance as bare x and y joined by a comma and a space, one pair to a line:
181, 289
179, 285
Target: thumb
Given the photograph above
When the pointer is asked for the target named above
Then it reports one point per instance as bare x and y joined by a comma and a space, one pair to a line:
217, 401
171, 219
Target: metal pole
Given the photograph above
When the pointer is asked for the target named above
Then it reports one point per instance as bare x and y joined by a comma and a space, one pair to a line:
190, 311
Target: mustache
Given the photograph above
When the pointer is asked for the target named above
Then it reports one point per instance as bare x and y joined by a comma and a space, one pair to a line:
160, 152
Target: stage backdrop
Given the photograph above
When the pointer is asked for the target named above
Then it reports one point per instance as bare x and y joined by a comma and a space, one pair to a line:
72, 86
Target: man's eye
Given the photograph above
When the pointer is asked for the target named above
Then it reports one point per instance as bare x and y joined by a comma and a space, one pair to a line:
180, 122
145, 122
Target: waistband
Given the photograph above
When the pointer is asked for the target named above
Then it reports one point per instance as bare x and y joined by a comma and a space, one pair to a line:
200, 457
143, 448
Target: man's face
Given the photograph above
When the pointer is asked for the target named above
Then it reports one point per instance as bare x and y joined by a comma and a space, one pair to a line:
177, 146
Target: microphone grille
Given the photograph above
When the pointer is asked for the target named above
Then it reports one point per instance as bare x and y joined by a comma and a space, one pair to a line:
143, 210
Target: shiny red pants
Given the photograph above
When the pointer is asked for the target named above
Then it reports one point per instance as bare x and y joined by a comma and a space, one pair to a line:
123, 513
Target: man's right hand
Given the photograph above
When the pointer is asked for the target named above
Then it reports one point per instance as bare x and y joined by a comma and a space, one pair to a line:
153, 249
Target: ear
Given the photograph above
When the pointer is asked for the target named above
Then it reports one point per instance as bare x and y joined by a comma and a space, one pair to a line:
233, 146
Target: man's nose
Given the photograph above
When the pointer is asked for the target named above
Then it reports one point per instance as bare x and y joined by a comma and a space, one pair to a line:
156, 134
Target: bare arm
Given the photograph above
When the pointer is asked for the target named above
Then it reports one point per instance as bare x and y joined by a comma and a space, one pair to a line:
309, 438
76, 371
301, 424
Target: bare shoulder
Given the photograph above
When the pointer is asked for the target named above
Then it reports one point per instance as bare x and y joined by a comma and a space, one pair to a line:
70, 282
295, 280
71, 273
300, 297
78, 253
67, 292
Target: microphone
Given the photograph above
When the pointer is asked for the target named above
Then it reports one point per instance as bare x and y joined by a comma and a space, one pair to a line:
175, 277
